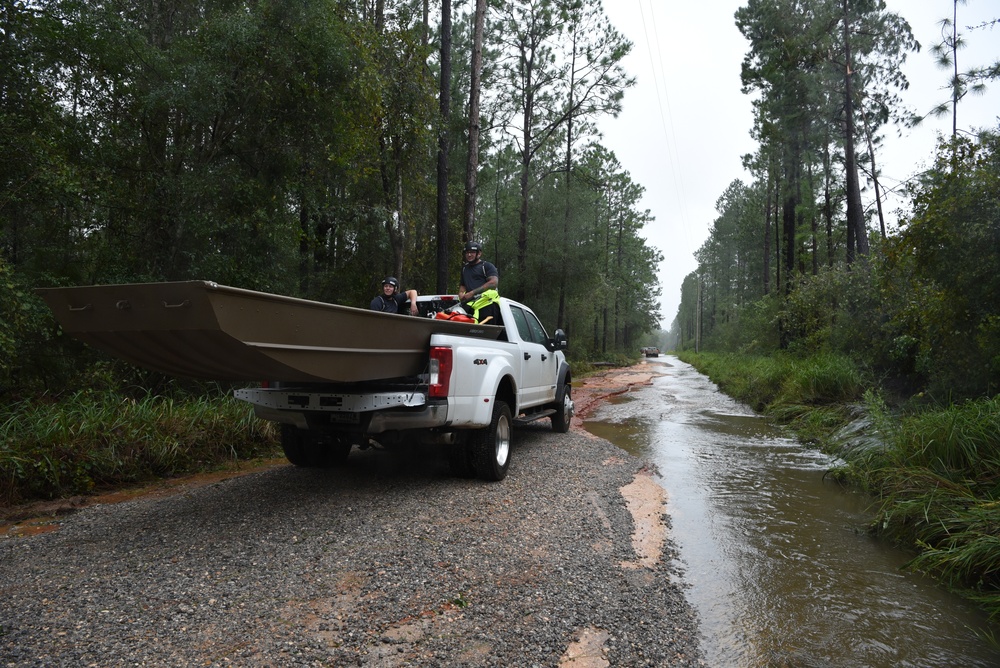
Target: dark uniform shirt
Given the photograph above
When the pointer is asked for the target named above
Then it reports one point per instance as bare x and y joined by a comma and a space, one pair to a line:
394, 304
475, 275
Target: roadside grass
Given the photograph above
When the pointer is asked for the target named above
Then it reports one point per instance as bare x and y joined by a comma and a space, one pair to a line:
938, 482
583, 367
52, 447
933, 470
782, 384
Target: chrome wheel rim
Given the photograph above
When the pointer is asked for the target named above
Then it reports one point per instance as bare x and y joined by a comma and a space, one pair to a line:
503, 440
567, 408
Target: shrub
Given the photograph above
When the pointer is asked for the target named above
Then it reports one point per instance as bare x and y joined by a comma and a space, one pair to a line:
51, 448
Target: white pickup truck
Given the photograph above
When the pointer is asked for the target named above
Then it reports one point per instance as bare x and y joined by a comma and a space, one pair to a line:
469, 397
338, 376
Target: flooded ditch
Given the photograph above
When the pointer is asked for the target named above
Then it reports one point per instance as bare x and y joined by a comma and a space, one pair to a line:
780, 569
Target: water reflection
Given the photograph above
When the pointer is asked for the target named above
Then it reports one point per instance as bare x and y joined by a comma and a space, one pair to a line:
780, 571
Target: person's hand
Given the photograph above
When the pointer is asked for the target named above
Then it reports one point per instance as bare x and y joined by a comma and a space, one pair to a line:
413, 309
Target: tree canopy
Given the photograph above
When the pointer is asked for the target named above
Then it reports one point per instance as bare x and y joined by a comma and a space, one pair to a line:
793, 261
291, 146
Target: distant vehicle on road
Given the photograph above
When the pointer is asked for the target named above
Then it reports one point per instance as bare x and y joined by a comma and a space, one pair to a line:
651, 351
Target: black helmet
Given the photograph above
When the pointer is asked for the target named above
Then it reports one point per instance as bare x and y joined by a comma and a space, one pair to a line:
391, 280
473, 246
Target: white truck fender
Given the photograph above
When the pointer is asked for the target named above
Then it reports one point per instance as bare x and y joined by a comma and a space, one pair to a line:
478, 372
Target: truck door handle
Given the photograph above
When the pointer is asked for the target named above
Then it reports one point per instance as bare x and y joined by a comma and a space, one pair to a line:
527, 356
544, 357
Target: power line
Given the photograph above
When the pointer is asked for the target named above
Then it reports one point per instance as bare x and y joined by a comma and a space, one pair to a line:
670, 138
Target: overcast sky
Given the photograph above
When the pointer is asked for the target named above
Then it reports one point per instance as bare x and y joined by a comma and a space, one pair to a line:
685, 125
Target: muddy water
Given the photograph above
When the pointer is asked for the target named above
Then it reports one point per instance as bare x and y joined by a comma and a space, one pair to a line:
780, 570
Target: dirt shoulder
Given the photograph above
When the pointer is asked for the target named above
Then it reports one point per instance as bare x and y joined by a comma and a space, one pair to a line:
593, 390
37, 517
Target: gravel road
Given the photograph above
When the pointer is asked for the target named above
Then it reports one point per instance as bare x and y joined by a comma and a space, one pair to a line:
388, 561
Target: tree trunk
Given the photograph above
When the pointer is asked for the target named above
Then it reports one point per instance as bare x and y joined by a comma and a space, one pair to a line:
954, 63
697, 318
813, 226
767, 230
778, 185
567, 204
304, 236
619, 255
828, 202
397, 236
426, 23
856, 233
443, 145
607, 272
878, 189
472, 163
790, 202
522, 230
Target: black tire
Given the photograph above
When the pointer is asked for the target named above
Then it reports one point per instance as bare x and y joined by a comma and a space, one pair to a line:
293, 443
491, 446
335, 452
311, 450
461, 460
564, 410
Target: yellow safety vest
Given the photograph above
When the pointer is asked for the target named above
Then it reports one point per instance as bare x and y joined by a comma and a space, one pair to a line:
485, 299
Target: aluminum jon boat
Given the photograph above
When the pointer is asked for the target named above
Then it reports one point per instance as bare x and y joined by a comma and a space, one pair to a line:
200, 329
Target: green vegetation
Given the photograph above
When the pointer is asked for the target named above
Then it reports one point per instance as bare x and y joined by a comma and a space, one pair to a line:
289, 147
937, 477
880, 342
812, 394
583, 368
94, 440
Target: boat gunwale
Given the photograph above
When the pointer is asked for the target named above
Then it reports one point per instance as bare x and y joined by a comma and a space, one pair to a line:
216, 316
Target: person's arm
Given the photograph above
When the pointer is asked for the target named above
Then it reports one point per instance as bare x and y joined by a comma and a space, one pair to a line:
491, 284
492, 277
412, 296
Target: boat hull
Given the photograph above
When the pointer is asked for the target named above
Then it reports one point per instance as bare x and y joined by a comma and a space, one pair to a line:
200, 329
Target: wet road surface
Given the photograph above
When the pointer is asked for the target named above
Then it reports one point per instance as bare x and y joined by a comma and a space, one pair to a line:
781, 572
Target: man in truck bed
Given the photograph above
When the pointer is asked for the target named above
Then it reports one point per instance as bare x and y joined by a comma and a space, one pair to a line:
478, 276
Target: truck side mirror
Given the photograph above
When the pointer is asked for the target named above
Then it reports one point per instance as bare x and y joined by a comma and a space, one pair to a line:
558, 341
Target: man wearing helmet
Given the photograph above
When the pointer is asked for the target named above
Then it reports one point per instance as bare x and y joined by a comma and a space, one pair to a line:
478, 276
392, 301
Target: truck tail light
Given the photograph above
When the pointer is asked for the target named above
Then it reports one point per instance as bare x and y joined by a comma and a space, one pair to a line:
440, 371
